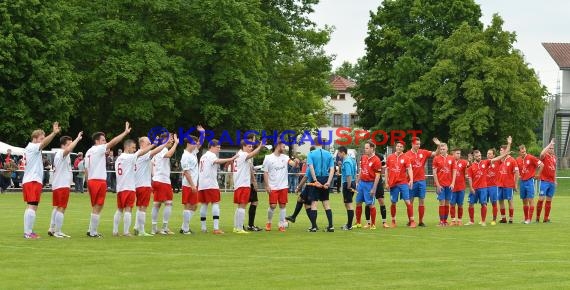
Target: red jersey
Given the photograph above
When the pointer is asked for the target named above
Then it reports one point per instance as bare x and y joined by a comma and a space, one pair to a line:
444, 167
548, 172
493, 173
418, 161
507, 172
527, 166
478, 173
369, 166
397, 166
461, 166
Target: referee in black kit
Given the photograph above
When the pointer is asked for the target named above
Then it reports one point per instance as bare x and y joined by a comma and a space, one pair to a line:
321, 169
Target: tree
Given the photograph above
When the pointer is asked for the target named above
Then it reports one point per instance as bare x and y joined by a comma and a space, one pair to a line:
402, 39
349, 70
37, 83
431, 65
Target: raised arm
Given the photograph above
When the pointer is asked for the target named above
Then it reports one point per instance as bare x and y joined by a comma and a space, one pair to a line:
173, 148
49, 138
255, 151
120, 137
507, 151
73, 144
545, 150
225, 160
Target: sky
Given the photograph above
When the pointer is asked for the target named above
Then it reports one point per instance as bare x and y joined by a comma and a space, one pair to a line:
533, 21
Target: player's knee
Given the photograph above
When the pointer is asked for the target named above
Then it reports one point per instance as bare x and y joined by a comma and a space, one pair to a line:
33, 203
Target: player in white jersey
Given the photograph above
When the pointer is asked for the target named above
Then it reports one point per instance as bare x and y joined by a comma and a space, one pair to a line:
33, 177
125, 173
189, 163
208, 188
95, 168
143, 180
61, 184
242, 183
161, 187
276, 177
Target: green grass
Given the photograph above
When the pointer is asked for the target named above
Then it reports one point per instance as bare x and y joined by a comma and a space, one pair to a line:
505, 256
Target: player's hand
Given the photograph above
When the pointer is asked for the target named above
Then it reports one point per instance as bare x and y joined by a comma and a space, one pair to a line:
268, 189
127, 127
175, 138
438, 189
516, 189
372, 193
79, 136
200, 128
452, 186
317, 184
326, 185
471, 189
55, 128
509, 140
194, 188
436, 141
254, 184
410, 184
386, 186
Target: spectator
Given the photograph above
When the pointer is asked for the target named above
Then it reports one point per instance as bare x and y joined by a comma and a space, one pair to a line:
47, 168
6, 176
175, 176
111, 177
20, 173
119, 152
293, 177
80, 176
78, 159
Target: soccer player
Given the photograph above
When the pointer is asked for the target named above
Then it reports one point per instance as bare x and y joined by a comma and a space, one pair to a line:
97, 175
492, 183
547, 181
508, 179
320, 169
143, 187
370, 167
397, 165
275, 175
529, 166
458, 194
253, 199
444, 174
161, 187
302, 199
348, 181
208, 188
189, 163
125, 173
33, 177
418, 157
243, 183
61, 184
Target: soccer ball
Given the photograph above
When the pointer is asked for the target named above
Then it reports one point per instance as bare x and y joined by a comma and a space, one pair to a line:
286, 224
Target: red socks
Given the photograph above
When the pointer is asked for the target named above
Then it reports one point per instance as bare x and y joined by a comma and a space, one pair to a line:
452, 210
459, 212
483, 213
471, 214
530, 212
422, 210
358, 213
393, 211
525, 210
511, 213
547, 210
373, 215
441, 213
503, 211
495, 211
539, 208
410, 209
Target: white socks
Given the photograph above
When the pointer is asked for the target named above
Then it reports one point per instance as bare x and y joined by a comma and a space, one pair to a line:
141, 220
29, 220
186, 216
126, 222
166, 214
203, 212
216, 215
240, 213
52, 221
58, 221
282, 215
116, 220
93, 224
270, 214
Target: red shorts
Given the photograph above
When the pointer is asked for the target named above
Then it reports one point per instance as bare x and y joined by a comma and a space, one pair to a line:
32, 191
278, 196
143, 196
189, 196
125, 198
60, 197
97, 190
162, 191
209, 195
241, 195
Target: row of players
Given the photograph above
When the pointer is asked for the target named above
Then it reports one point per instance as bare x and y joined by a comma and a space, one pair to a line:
405, 178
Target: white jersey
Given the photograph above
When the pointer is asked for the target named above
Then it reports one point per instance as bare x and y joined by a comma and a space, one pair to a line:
189, 162
276, 167
142, 171
208, 174
34, 170
125, 171
242, 171
161, 167
61, 171
96, 162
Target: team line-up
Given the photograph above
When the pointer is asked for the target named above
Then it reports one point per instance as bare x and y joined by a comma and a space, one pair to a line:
146, 171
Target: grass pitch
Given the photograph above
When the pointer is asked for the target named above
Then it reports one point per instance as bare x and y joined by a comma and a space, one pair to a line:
504, 256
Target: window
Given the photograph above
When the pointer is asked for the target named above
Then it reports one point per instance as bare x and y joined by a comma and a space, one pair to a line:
353, 120
337, 120
342, 97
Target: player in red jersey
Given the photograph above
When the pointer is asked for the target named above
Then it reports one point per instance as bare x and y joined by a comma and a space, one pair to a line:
97, 175
547, 181
458, 194
418, 158
367, 183
492, 180
444, 174
508, 179
529, 167
33, 177
397, 165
